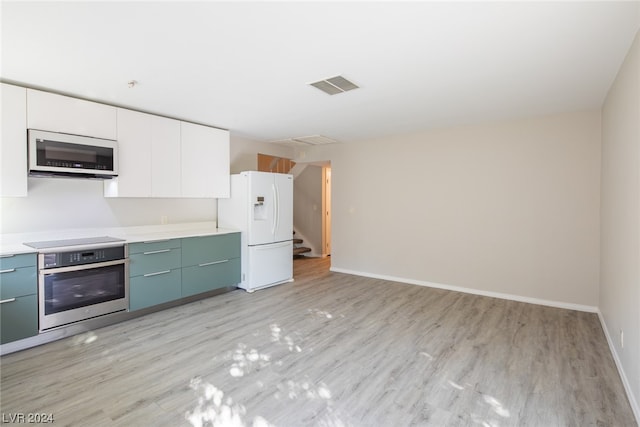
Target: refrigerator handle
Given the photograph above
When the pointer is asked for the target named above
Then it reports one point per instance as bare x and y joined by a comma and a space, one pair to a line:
275, 209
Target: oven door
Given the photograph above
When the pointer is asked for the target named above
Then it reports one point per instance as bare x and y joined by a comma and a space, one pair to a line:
71, 294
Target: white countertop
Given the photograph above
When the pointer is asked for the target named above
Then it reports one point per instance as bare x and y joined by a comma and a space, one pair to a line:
14, 243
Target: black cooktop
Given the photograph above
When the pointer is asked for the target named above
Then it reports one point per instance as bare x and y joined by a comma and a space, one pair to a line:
73, 242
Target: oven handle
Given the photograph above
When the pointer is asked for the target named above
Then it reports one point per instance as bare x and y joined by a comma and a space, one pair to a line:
83, 267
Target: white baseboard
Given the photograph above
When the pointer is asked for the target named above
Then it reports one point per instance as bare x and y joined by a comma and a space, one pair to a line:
635, 406
557, 304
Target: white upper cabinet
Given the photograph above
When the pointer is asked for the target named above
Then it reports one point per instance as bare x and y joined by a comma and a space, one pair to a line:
134, 156
13, 142
58, 113
149, 156
165, 158
205, 161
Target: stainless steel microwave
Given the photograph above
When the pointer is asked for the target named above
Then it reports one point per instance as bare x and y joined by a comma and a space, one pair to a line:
73, 156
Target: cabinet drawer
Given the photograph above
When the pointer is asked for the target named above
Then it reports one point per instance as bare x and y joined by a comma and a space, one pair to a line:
158, 245
154, 261
200, 250
19, 319
17, 261
18, 282
197, 279
154, 290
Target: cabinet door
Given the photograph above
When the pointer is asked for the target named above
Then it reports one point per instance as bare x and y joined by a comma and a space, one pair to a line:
205, 161
146, 291
154, 245
165, 157
203, 278
17, 282
57, 113
207, 249
18, 318
153, 262
13, 145
134, 156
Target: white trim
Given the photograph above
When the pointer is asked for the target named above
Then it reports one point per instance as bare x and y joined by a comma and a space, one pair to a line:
556, 304
635, 406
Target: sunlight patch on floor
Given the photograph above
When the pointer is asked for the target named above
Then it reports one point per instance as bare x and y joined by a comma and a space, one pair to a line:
245, 360
86, 338
213, 409
496, 405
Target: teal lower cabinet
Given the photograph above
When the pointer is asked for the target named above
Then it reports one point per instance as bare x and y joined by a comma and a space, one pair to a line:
18, 297
18, 318
154, 288
203, 278
154, 271
168, 270
210, 262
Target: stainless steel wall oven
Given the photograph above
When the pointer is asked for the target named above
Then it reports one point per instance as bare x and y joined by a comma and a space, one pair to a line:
81, 281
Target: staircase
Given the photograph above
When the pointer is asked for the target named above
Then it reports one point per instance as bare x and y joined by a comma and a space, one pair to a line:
298, 250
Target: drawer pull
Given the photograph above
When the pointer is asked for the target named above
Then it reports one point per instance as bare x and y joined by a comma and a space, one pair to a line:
155, 241
157, 274
11, 270
7, 256
7, 300
156, 252
213, 262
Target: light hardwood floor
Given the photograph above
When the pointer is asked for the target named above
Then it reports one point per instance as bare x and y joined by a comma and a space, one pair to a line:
329, 349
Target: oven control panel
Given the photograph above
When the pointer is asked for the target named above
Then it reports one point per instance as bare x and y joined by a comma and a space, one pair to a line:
85, 256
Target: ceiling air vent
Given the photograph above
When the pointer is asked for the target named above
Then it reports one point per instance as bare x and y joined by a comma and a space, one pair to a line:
334, 85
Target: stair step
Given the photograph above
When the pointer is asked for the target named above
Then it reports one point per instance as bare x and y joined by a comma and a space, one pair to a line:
298, 251
297, 241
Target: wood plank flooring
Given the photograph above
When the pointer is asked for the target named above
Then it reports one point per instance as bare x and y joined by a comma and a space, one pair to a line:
329, 349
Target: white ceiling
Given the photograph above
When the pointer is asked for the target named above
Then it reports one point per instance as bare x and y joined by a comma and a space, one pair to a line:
245, 66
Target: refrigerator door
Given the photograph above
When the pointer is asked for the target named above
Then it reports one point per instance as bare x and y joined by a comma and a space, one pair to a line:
284, 211
262, 207
270, 265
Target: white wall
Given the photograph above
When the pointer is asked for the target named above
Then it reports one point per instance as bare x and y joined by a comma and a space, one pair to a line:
55, 203
620, 230
508, 208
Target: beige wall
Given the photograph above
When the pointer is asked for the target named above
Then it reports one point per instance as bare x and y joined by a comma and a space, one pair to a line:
620, 260
508, 208
244, 153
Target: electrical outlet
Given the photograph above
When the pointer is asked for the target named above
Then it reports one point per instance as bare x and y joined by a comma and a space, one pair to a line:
163, 219
621, 339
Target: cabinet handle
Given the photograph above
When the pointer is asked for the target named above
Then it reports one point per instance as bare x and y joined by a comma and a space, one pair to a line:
7, 256
212, 263
156, 252
7, 300
155, 241
156, 274
11, 270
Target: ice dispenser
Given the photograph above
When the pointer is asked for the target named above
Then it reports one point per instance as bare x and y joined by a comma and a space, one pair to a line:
259, 209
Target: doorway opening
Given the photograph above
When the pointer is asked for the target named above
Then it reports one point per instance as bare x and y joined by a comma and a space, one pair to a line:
312, 203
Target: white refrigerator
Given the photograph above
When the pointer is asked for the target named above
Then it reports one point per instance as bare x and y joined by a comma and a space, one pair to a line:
261, 207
